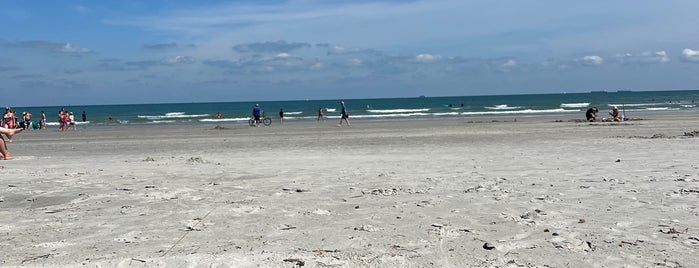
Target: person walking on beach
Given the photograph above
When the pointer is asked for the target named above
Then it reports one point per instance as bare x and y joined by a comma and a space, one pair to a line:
84, 117
256, 112
281, 116
343, 114
62, 119
71, 121
320, 114
42, 123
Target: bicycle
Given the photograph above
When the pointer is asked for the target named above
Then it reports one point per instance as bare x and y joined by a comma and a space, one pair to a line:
264, 120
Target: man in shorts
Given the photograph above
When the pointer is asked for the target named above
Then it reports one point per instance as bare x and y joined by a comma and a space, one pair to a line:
256, 112
343, 114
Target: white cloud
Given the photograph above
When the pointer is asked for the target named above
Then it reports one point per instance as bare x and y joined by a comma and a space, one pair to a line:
68, 48
354, 62
317, 66
508, 64
645, 57
592, 60
178, 60
283, 55
690, 55
339, 50
661, 56
427, 58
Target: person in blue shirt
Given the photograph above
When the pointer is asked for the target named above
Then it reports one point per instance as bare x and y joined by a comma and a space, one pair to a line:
343, 114
256, 112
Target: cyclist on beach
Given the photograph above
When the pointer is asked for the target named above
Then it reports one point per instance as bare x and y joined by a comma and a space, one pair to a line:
256, 112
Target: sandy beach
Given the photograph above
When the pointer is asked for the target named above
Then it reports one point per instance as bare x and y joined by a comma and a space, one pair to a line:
471, 192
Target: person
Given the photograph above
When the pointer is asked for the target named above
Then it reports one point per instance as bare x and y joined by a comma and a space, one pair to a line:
343, 114
320, 114
591, 114
27, 120
616, 116
218, 115
4, 153
62, 119
256, 112
71, 121
7, 118
42, 123
281, 116
84, 117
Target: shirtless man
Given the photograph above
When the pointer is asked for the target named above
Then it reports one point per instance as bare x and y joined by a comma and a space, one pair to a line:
27, 120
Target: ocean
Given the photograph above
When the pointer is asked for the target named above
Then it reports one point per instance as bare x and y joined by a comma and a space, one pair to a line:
632, 104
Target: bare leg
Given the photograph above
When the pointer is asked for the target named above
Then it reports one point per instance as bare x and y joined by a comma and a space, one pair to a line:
9, 132
4, 154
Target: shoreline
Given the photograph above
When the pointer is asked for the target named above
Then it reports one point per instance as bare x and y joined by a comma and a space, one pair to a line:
451, 193
275, 120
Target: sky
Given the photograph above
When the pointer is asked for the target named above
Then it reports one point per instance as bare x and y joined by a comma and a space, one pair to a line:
73, 52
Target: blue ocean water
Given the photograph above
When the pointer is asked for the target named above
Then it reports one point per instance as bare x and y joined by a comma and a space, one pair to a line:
575, 104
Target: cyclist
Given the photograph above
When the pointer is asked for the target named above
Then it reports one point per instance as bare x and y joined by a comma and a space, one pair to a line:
256, 112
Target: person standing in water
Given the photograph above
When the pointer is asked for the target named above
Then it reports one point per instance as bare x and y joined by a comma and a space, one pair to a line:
281, 116
42, 123
320, 114
343, 114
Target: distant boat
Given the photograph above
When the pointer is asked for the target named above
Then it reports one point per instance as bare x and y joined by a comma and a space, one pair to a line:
422, 96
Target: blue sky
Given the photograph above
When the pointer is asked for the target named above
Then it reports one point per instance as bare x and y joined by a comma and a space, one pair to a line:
112, 52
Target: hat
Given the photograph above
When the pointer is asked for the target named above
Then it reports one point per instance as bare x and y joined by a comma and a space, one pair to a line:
615, 108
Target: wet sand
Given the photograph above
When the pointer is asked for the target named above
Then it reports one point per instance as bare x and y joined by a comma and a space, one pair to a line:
473, 192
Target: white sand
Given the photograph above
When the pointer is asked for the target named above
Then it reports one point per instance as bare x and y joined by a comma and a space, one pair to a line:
391, 194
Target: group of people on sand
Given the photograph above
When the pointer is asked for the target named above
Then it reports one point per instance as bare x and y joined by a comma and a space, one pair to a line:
616, 116
66, 120
257, 113
11, 121
12, 125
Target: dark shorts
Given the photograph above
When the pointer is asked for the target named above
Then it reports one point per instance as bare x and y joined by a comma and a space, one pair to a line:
345, 116
257, 117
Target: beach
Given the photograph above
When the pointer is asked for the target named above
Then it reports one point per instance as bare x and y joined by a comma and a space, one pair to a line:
465, 192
